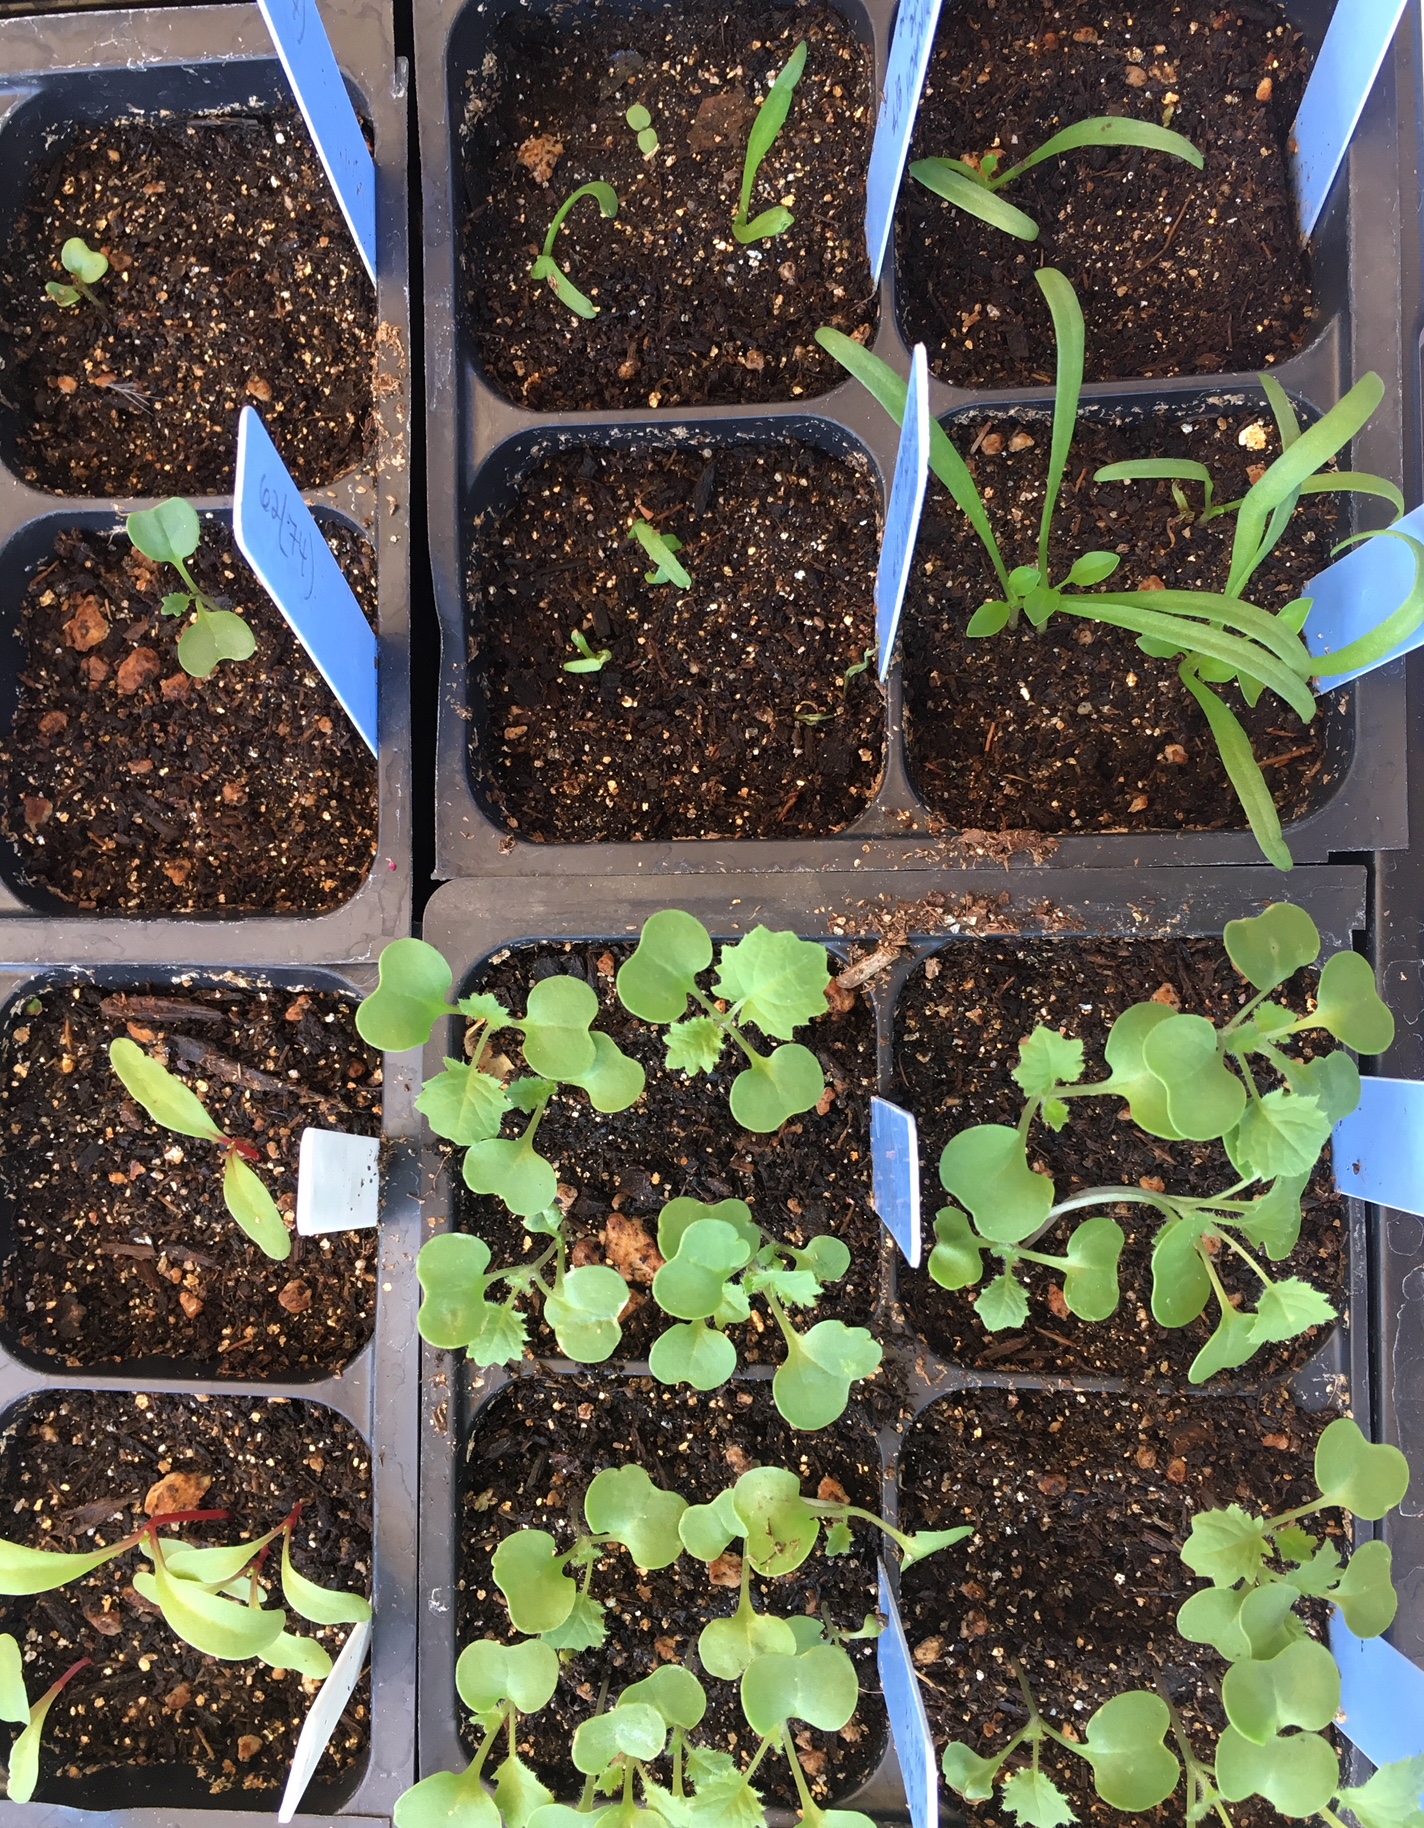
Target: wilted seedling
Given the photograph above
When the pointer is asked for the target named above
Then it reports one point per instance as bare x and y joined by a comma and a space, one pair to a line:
641, 122
589, 661
546, 267
771, 118
86, 266
807, 712
170, 1103
661, 548
169, 535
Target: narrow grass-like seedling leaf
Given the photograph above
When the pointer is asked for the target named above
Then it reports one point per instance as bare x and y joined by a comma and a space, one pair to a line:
771, 118
547, 268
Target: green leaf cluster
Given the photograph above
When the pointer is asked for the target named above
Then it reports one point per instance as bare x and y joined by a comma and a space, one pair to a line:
169, 535
86, 266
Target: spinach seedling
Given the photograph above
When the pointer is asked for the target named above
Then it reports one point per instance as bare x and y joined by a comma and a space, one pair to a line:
1181, 1078
975, 188
589, 661
23, 1762
661, 548
169, 535
641, 122
86, 266
771, 118
170, 1103
1281, 1689
546, 267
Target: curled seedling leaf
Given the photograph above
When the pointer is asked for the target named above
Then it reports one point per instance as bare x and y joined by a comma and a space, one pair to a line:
547, 268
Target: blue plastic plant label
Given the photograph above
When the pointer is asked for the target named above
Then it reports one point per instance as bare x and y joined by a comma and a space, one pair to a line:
1356, 594
902, 516
899, 103
320, 89
1378, 1149
282, 543
895, 1175
1356, 43
1381, 1696
909, 1725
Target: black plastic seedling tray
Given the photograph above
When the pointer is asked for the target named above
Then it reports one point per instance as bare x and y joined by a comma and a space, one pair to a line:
470, 922
478, 444
55, 70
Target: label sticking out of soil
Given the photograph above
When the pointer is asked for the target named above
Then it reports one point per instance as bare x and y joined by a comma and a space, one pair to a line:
1381, 1696
281, 541
899, 104
1379, 1147
909, 1724
895, 1159
317, 83
1348, 598
1355, 47
902, 516
338, 1182
324, 1717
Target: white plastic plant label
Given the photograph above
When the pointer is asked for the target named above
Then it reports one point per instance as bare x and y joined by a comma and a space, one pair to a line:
902, 516
1356, 43
278, 537
338, 1182
320, 89
1378, 1150
895, 1175
322, 1717
894, 125
1381, 1696
909, 1725
1355, 594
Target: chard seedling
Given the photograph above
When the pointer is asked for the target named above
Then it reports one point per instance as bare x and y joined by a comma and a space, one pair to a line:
589, 661
641, 122
1218, 637
169, 535
23, 1764
170, 1103
771, 118
1281, 1689
546, 267
86, 266
1181, 1078
975, 187
661, 548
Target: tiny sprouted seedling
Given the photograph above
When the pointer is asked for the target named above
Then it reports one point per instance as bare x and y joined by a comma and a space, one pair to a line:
641, 122
546, 267
807, 711
86, 266
170, 1103
974, 186
169, 535
590, 661
771, 118
662, 549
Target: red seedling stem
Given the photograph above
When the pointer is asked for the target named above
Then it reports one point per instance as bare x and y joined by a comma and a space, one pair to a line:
248, 1151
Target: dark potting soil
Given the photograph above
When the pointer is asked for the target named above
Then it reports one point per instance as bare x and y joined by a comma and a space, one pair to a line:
727, 710
126, 785
1072, 727
165, 1724
961, 1020
233, 281
532, 1454
1080, 1503
1179, 271
680, 1140
686, 315
120, 1247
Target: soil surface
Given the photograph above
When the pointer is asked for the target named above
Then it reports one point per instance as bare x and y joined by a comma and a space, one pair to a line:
127, 786
233, 281
1080, 1504
686, 316
679, 1140
165, 1724
724, 710
958, 1039
1179, 271
120, 1249
1072, 727
530, 1458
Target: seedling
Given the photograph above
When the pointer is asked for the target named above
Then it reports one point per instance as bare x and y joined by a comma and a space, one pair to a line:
170, 1103
86, 266
24, 1758
169, 535
641, 122
661, 548
1219, 638
588, 661
975, 186
1278, 1677
807, 712
771, 118
546, 267
1181, 1078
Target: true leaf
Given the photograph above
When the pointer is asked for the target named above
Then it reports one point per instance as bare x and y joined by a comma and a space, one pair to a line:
1132, 1768
449, 1799
583, 1629
1288, 1308
1226, 1546
1035, 1801
1271, 947
924, 1543
1048, 1059
1333, 1080
1389, 1799
463, 1104
247, 1199
773, 1089
411, 996
985, 1167
694, 1046
1273, 1220
1347, 1003
1003, 1304
166, 1099
657, 980
812, 1387
1204, 1098
623, 1502
1280, 1134
947, 178
770, 119
529, 1572
1367, 1479
819, 1686
775, 980
518, 1792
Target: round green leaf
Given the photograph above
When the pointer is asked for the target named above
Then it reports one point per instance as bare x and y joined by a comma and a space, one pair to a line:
1368, 1480
674, 1691
90, 266
986, 1168
957, 1260
1213, 1616
614, 1081
1298, 1687
584, 1314
1366, 1592
623, 1502
678, 1214
167, 533
449, 1799
512, 1172
230, 635
729, 1647
772, 1089
818, 1686
411, 996
780, 1530
247, 1199
1273, 946
694, 1354
557, 1044
166, 1099
827, 1257
450, 1270
489, 1673
689, 1285
812, 1387
967, 1774
706, 1529
198, 649
638, 117
1181, 1287
1297, 1773
1132, 1768
657, 980
1090, 1285
1145, 1094
1204, 1098
529, 1572
1348, 1004
632, 1729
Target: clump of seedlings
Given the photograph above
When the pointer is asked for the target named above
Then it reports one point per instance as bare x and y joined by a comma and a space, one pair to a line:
1219, 638
85, 266
771, 118
1281, 1689
661, 548
546, 267
169, 535
1181, 1078
173, 1105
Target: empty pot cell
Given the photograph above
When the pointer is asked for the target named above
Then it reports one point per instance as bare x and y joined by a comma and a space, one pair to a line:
740, 703
152, 1722
1080, 1504
130, 786
961, 1021
679, 1140
531, 1454
685, 314
119, 1247
232, 280
1181, 271
1072, 727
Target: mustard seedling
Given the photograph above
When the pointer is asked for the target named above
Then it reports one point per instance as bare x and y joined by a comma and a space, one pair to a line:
169, 535
661, 548
589, 661
641, 122
771, 118
85, 266
546, 267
